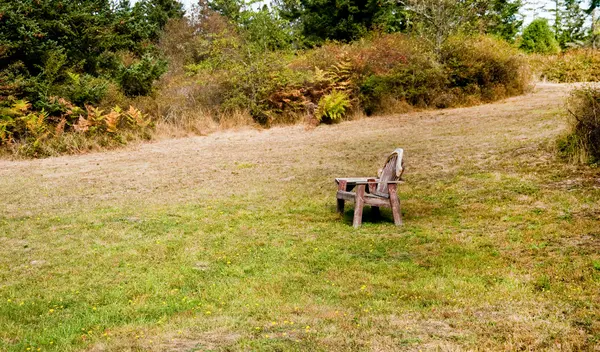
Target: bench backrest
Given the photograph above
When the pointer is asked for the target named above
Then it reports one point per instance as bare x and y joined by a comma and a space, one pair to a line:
388, 173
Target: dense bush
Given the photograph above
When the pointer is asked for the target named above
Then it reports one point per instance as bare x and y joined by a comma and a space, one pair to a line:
582, 144
577, 65
137, 78
277, 87
235, 65
484, 69
59, 58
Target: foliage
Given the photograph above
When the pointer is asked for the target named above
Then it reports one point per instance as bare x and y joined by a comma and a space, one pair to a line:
582, 144
502, 18
538, 38
569, 25
578, 65
45, 42
371, 71
263, 27
137, 78
342, 20
231, 62
63, 56
333, 106
477, 69
485, 68
33, 131
438, 20
84, 89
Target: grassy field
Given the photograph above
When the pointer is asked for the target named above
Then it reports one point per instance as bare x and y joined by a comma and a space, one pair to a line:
231, 241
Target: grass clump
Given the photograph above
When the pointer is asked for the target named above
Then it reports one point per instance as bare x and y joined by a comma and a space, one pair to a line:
582, 144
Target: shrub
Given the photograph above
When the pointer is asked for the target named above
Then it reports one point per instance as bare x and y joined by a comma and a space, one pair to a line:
333, 107
582, 144
539, 38
578, 65
37, 133
137, 78
418, 83
485, 68
84, 89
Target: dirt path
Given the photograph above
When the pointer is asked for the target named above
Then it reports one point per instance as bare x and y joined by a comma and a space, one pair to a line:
178, 170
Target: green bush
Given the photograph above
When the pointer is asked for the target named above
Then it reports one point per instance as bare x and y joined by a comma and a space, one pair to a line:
137, 78
539, 38
582, 144
84, 89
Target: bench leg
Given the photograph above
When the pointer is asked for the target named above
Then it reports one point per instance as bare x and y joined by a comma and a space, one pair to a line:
341, 202
358, 206
395, 204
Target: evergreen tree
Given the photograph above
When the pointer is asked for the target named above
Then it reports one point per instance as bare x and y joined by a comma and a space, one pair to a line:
41, 41
538, 37
342, 20
501, 18
572, 27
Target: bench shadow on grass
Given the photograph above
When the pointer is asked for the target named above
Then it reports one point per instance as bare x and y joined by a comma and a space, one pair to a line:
370, 216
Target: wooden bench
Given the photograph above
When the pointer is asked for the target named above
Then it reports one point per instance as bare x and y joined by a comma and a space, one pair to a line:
375, 192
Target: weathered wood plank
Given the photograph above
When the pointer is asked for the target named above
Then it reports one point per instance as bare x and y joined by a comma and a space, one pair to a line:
377, 202
395, 203
358, 206
345, 195
340, 202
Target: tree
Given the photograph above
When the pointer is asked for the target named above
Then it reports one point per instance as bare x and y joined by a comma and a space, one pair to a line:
571, 27
538, 37
440, 19
502, 18
343, 20
42, 41
260, 26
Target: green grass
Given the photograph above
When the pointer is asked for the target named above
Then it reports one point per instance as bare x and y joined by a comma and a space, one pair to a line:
498, 254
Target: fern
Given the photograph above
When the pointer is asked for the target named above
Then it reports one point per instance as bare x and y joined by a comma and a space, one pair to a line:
333, 106
341, 75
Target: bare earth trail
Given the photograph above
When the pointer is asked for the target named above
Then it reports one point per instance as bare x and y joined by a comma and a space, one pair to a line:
231, 242
183, 169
